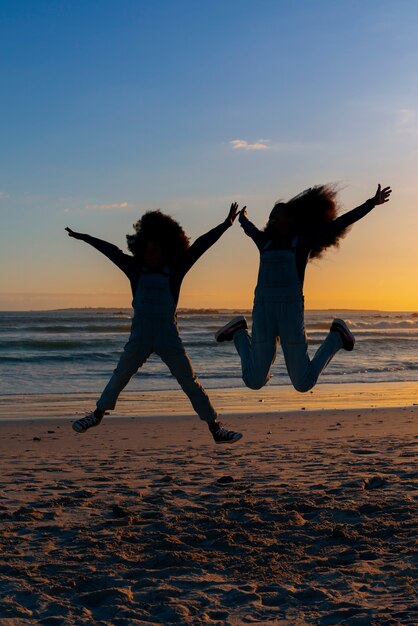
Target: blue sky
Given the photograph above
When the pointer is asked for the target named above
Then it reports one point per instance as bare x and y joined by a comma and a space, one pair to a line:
110, 108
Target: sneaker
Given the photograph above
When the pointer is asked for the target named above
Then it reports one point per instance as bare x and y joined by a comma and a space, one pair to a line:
90, 420
222, 435
226, 333
346, 335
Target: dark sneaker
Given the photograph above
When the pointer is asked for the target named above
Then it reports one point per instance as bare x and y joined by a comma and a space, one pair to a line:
90, 420
222, 435
226, 333
339, 326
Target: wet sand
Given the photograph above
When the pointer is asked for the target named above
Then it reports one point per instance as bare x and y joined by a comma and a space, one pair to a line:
235, 401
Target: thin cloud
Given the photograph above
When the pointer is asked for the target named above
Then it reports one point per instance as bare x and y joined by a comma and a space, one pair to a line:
243, 144
275, 146
107, 207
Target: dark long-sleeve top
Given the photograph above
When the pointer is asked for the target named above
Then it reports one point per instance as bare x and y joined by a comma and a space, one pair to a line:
133, 266
305, 243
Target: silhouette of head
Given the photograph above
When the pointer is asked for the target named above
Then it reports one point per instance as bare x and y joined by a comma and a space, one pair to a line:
159, 240
307, 214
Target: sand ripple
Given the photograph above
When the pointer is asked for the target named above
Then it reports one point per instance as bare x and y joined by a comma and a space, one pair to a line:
290, 533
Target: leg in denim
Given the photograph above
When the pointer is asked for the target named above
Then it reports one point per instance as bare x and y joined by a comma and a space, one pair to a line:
258, 350
134, 355
171, 350
303, 371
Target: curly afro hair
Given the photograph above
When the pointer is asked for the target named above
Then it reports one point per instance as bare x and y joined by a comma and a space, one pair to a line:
159, 227
310, 212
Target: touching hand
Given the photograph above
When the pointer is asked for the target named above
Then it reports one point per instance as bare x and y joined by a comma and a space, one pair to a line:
72, 233
233, 212
242, 213
382, 195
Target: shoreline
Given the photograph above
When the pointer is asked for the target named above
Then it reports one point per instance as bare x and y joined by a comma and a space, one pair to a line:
227, 401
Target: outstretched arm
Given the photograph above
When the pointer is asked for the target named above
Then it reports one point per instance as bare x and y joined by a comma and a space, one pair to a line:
119, 258
381, 196
251, 230
204, 242
344, 221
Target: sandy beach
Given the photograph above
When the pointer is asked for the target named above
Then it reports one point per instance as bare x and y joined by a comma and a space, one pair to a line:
310, 519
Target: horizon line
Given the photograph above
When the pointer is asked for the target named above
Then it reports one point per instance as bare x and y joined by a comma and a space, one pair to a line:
201, 309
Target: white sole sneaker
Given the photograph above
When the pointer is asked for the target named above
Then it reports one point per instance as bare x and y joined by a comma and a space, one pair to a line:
236, 437
226, 333
346, 335
89, 421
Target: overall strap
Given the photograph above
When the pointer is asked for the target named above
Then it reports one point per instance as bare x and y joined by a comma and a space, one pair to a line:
267, 245
293, 245
164, 272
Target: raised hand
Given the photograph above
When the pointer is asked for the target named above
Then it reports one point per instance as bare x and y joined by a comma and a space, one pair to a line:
382, 195
233, 212
242, 213
72, 233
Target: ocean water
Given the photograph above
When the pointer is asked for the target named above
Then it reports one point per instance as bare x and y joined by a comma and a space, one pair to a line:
70, 351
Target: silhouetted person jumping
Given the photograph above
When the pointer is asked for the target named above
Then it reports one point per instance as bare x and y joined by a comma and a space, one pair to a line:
161, 257
297, 231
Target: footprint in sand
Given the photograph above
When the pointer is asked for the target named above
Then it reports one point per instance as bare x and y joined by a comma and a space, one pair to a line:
363, 451
375, 482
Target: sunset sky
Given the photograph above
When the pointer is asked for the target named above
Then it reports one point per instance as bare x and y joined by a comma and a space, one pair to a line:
114, 107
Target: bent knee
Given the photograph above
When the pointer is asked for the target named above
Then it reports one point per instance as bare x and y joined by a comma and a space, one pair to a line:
303, 385
255, 383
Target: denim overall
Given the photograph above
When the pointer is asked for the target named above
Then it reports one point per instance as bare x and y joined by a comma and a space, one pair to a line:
154, 329
278, 316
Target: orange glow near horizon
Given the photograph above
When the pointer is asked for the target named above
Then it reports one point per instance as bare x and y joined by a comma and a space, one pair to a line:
327, 286
343, 295
376, 268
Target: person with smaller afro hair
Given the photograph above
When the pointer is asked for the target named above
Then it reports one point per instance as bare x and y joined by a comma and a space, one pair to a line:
297, 231
160, 258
